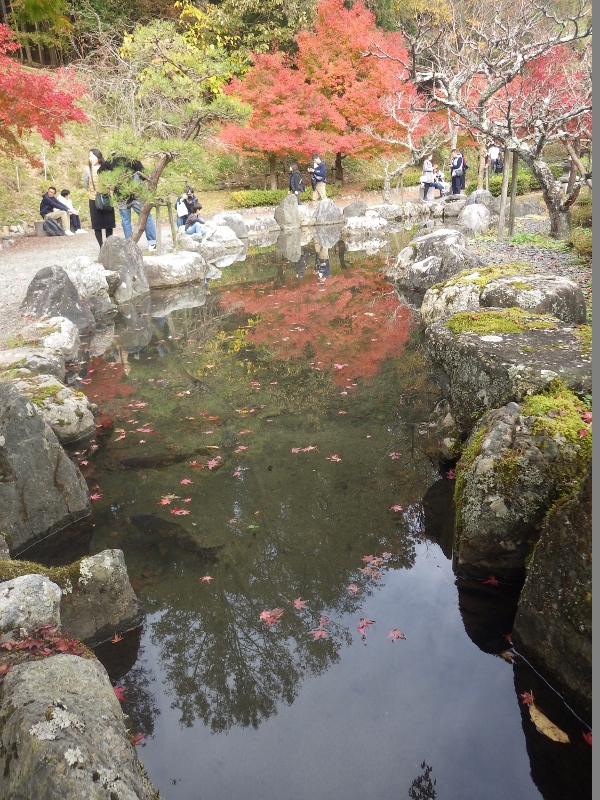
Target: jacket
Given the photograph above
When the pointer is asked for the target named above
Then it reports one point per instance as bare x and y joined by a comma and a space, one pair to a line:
194, 218
456, 166
427, 176
48, 204
130, 167
296, 182
320, 172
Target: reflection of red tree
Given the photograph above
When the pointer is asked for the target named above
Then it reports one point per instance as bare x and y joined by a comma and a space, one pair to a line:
107, 381
356, 321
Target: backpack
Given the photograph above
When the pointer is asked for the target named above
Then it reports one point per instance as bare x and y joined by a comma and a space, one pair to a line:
52, 228
301, 186
499, 165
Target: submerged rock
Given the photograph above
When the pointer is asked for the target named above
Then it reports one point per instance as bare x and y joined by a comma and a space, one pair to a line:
64, 735
554, 617
172, 533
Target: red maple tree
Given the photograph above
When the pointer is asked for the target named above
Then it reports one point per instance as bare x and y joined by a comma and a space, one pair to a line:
288, 116
32, 100
331, 57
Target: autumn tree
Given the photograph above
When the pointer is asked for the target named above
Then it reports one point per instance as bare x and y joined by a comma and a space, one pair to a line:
159, 94
331, 56
33, 101
288, 116
497, 49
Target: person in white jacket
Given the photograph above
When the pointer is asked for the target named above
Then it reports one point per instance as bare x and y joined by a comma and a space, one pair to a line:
75, 222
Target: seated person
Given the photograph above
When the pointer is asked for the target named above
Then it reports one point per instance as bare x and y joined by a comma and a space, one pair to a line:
184, 205
194, 222
51, 208
73, 213
438, 180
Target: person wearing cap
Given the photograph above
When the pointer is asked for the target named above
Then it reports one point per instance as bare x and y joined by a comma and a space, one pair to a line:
185, 205
318, 178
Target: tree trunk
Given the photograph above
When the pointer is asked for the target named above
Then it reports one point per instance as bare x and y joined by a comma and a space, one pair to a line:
152, 183
513, 193
387, 187
273, 171
560, 220
339, 169
502, 212
573, 173
481, 169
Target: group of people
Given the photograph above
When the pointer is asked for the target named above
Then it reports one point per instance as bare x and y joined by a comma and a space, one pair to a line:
188, 209
62, 211
318, 179
433, 177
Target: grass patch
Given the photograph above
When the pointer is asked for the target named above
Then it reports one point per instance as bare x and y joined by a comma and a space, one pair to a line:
539, 240
66, 577
481, 277
584, 335
513, 320
581, 211
581, 241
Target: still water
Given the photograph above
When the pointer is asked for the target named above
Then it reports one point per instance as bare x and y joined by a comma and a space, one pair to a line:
263, 467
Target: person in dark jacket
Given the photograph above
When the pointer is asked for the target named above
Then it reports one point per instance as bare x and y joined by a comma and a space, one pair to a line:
101, 220
184, 205
456, 171
51, 208
130, 170
194, 223
296, 182
318, 178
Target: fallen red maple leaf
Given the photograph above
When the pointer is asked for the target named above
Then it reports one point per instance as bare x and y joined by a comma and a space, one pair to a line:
583, 433
491, 581
333, 457
396, 508
367, 559
185, 481
164, 501
394, 455
526, 698
120, 692
271, 617
116, 638
299, 604
206, 579
95, 496
213, 463
319, 633
352, 589
587, 737
451, 474
137, 739
395, 634
586, 416
180, 512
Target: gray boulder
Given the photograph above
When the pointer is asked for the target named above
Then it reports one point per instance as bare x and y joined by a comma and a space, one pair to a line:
510, 474
476, 218
355, 209
174, 269
286, 214
88, 276
51, 293
389, 211
481, 197
165, 301
289, 244
103, 310
102, 602
233, 220
477, 372
327, 236
125, 257
364, 225
450, 298
41, 489
540, 294
64, 734
66, 411
28, 602
263, 228
453, 205
554, 616
29, 360
327, 213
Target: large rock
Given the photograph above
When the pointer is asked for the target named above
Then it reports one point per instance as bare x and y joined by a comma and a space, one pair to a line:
125, 257
307, 215
233, 220
63, 735
476, 218
263, 228
327, 236
540, 294
31, 360
327, 213
511, 471
41, 490
289, 244
554, 616
286, 214
448, 299
88, 276
481, 197
363, 225
165, 301
134, 328
28, 602
355, 209
66, 411
432, 258
477, 372
389, 211
174, 269
102, 602
51, 293
453, 205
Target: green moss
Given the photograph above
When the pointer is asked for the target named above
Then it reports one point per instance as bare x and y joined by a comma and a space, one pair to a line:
513, 320
66, 577
508, 468
468, 456
521, 285
38, 395
584, 335
481, 277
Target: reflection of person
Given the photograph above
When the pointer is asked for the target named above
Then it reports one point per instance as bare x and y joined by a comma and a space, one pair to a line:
456, 171
102, 220
52, 208
74, 220
322, 263
131, 169
427, 177
194, 223
300, 265
318, 178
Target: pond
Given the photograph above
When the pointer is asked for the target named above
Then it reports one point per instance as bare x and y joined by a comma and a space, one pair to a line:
262, 464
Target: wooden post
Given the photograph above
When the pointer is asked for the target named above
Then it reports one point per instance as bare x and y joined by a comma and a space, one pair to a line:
18, 181
513, 193
158, 236
402, 188
503, 196
172, 223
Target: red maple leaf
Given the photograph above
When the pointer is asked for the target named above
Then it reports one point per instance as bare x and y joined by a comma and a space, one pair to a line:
491, 581
180, 512
319, 633
120, 692
526, 698
352, 589
583, 433
213, 463
586, 416
396, 508
271, 617
185, 481
451, 474
137, 739
395, 634
116, 638
299, 604
587, 737
333, 457
206, 579
95, 496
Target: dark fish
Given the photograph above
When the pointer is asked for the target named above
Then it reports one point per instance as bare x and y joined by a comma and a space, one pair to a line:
163, 459
174, 534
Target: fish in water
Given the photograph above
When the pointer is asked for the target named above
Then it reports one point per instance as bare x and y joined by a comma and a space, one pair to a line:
163, 459
173, 533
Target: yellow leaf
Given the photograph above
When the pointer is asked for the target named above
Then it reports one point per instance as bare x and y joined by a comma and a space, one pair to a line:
543, 724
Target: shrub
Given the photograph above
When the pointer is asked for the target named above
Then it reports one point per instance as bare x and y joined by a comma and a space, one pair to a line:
523, 184
581, 211
375, 184
581, 241
261, 197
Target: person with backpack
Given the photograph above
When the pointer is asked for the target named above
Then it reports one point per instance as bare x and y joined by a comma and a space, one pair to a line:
52, 209
318, 178
296, 182
130, 171
463, 182
103, 219
184, 205
456, 171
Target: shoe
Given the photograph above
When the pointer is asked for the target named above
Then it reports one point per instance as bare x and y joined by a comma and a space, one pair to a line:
81, 230
68, 233
152, 246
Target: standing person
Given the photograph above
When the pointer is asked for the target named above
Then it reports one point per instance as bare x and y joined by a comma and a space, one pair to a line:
52, 208
74, 220
456, 171
184, 205
194, 223
493, 153
101, 220
296, 182
318, 179
130, 169
427, 178
463, 182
